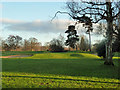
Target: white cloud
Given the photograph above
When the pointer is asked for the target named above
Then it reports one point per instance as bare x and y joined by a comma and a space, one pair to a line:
56, 26
10, 21
43, 30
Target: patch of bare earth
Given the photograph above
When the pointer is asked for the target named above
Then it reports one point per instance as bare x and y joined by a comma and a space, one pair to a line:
15, 56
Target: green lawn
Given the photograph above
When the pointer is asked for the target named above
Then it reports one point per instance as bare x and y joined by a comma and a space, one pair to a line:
59, 70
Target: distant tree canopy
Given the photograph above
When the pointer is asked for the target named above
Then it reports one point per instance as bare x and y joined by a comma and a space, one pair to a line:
56, 45
31, 44
72, 37
16, 43
26, 45
11, 43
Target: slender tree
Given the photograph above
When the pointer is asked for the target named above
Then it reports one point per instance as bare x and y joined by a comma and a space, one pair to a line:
84, 44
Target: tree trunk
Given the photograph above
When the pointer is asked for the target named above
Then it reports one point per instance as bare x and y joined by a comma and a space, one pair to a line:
109, 44
109, 35
89, 41
76, 48
69, 48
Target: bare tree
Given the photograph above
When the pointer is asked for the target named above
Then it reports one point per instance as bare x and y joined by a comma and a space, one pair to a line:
12, 43
56, 45
93, 12
33, 43
62, 39
47, 44
26, 45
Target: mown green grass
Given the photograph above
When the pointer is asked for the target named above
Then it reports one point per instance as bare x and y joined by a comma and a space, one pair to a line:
63, 56
59, 70
30, 80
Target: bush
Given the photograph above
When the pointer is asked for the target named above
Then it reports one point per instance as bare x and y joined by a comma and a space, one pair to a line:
101, 49
56, 46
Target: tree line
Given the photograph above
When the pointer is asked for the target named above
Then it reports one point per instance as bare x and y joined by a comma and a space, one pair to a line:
17, 43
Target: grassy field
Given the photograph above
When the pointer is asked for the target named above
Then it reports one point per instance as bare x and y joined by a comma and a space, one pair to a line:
59, 70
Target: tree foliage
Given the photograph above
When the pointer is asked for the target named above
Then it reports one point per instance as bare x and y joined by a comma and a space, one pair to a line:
117, 35
56, 45
31, 44
101, 51
11, 43
72, 37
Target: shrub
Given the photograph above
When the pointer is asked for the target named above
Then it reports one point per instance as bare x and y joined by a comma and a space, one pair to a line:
101, 49
56, 46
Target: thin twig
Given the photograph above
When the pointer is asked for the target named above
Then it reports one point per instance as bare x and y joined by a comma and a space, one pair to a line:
61, 13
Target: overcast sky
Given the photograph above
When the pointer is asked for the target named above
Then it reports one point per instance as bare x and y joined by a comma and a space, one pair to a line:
33, 19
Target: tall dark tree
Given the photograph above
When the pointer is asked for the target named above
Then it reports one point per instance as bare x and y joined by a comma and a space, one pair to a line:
93, 12
72, 37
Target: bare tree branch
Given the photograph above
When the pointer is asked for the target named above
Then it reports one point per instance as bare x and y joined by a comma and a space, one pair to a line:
93, 4
61, 13
97, 20
116, 15
95, 8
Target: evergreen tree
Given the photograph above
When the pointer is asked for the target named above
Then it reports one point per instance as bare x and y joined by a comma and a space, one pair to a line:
72, 37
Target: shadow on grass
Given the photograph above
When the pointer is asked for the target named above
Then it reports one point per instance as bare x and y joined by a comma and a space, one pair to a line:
76, 55
63, 79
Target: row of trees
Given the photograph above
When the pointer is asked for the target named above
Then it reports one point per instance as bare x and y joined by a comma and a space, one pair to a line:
13, 43
59, 44
31, 44
16, 43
